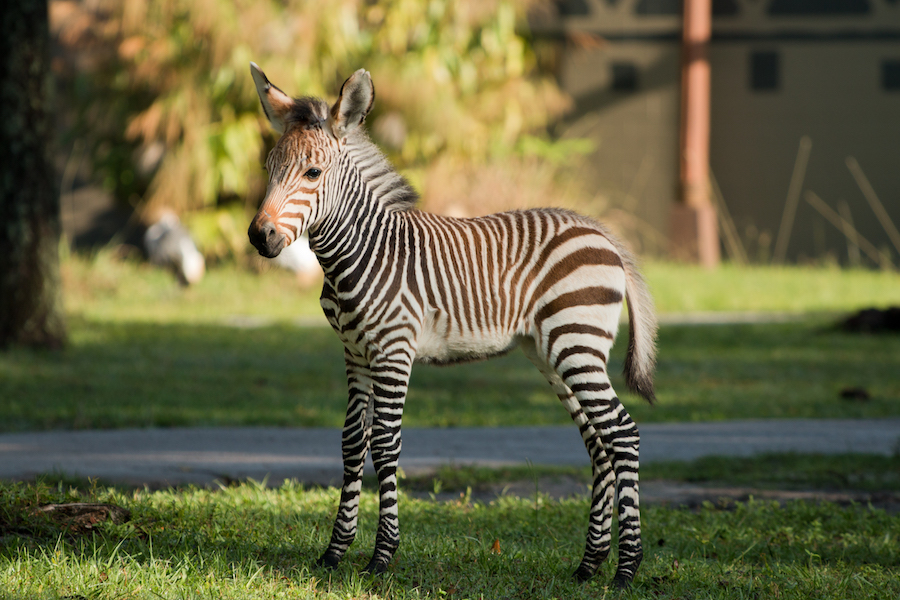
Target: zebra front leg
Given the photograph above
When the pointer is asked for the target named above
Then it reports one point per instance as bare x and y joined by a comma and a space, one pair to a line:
389, 392
354, 448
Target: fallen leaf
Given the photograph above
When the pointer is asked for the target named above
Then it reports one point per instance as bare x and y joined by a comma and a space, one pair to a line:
495, 547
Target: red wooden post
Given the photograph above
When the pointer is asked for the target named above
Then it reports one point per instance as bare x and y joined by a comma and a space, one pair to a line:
695, 236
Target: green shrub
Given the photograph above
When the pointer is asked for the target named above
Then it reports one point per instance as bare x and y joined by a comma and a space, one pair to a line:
163, 95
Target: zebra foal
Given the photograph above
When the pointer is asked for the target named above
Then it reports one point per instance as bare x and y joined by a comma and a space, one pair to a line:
403, 285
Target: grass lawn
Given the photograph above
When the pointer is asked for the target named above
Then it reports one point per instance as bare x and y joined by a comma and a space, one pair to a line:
251, 541
788, 289
105, 289
134, 374
144, 352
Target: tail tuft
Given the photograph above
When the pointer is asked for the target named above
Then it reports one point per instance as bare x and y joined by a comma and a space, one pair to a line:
638, 381
640, 360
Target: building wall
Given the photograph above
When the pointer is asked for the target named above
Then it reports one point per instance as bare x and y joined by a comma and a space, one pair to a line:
635, 164
829, 91
828, 83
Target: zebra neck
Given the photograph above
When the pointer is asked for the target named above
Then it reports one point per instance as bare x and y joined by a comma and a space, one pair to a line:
388, 187
371, 200
351, 235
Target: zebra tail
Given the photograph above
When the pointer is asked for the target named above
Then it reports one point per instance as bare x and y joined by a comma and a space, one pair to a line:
640, 361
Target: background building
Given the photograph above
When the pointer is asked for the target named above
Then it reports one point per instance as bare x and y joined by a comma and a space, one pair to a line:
782, 70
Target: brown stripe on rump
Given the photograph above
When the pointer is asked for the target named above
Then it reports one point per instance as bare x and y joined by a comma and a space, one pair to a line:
572, 350
580, 328
588, 296
574, 232
592, 257
567, 235
581, 371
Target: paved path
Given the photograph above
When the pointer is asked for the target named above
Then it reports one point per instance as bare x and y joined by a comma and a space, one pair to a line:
160, 457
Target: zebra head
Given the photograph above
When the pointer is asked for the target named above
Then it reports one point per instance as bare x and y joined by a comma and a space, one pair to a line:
304, 158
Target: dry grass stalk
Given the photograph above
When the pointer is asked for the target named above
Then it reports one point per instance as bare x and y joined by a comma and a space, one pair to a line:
847, 229
793, 198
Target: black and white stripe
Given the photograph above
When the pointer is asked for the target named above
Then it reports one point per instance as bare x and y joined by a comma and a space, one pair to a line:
403, 286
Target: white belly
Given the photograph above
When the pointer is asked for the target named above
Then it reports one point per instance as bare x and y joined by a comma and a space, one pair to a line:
443, 342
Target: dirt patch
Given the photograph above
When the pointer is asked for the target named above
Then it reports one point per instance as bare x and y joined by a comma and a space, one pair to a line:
676, 493
82, 517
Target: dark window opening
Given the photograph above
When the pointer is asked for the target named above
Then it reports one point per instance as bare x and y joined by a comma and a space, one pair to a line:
725, 8
819, 7
720, 8
765, 71
573, 8
890, 75
624, 77
658, 7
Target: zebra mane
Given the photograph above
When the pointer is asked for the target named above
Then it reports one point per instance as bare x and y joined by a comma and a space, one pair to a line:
389, 188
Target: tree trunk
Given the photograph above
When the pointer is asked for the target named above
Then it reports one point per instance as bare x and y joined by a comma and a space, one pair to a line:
30, 307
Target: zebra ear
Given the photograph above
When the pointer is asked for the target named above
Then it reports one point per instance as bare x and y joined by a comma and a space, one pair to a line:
353, 104
276, 104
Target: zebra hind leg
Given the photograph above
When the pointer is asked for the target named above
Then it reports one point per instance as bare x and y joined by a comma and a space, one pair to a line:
625, 441
599, 535
582, 368
621, 441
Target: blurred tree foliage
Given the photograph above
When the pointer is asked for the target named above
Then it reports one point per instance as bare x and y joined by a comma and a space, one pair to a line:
164, 99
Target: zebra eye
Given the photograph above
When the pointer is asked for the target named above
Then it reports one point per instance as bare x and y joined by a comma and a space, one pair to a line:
313, 173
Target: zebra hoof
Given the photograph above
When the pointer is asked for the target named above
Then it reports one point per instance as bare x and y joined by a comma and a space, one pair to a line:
375, 567
621, 582
328, 561
584, 572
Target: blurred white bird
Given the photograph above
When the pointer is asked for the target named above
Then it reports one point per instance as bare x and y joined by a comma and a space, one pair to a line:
169, 244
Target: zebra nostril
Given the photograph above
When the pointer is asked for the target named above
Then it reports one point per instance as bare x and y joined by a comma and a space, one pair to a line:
262, 233
266, 238
267, 232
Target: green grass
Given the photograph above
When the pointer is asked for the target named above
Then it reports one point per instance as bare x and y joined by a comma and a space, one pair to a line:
105, 289
251, 541
787, 289
134, 374
144, 352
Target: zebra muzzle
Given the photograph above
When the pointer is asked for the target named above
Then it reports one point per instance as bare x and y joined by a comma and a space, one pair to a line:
265, 237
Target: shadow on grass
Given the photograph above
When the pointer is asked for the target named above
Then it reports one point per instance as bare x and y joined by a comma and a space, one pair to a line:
117, 375
147, 375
